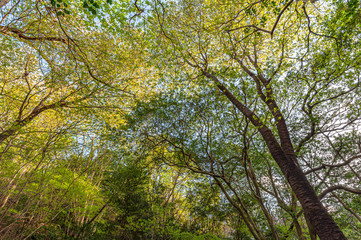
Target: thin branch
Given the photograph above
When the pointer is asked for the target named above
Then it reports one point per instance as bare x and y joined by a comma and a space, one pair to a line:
338, 187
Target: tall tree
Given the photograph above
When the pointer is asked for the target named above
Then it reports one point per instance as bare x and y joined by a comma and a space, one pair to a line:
253, 53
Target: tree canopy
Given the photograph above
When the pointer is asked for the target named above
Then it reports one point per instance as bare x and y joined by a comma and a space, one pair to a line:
154, 119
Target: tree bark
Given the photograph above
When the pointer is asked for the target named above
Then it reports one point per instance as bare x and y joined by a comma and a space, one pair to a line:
324, 225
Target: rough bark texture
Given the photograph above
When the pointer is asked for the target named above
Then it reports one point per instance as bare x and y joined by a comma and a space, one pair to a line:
324, 225
322, 222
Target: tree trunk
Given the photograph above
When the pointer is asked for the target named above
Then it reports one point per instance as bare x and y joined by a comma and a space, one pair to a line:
325, 227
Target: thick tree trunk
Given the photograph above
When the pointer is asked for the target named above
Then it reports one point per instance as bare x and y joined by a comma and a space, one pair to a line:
325, 227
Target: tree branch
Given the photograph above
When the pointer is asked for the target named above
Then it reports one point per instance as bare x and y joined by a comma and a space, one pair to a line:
337, 187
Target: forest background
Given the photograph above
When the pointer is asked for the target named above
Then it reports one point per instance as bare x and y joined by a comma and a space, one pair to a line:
180, 119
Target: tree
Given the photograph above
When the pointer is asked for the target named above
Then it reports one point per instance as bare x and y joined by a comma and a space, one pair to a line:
55, 65
180, 119
53, 93
226, 46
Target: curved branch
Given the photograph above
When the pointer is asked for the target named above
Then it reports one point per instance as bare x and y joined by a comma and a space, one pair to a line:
18, 124
337, 187
279, 16
323, 166
9, 31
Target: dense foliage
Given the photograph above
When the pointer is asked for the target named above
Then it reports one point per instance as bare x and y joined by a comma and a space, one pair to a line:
180, 120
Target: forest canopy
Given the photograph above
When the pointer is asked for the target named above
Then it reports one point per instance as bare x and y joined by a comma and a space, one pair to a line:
180, 119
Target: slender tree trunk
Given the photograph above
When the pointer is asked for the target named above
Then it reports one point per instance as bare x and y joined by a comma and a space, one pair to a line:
247, 220
257, 194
